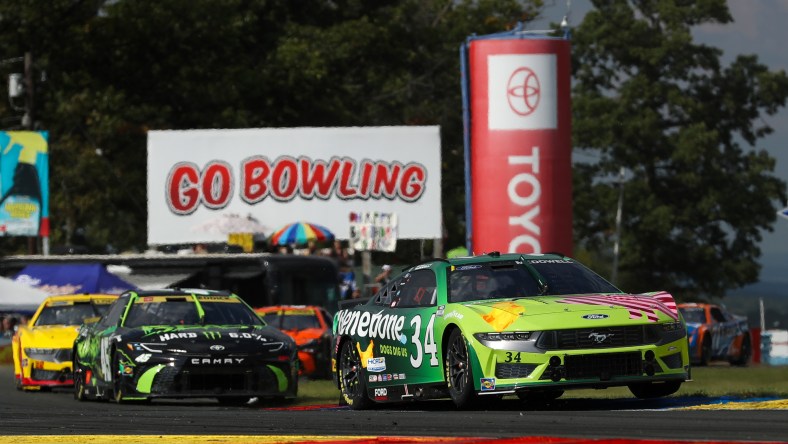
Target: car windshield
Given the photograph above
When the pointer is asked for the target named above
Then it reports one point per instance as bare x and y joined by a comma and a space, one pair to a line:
493, 280
693, 315
569, 277
69, 313
299, 320
182, 310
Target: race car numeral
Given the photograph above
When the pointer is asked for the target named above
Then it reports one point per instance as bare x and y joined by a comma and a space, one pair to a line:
415, 361
429, 342
512, 357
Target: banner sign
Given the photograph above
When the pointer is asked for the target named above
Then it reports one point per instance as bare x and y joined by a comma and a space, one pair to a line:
517, 93
24, 183
373, 231
284, 175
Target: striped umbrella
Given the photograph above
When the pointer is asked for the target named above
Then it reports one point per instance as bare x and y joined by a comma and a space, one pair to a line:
300, 233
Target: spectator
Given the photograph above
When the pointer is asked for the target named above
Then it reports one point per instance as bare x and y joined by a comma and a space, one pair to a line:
347, 284
384, 276
9, 326
341, 254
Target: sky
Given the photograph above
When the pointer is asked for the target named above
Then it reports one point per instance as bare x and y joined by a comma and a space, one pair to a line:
759, 27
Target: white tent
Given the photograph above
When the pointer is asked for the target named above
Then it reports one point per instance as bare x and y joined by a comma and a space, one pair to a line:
19, 297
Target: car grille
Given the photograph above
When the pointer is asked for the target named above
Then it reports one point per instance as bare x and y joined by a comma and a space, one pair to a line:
211, 380
218, 380
607, 337
49, 375
603, 366
512, 371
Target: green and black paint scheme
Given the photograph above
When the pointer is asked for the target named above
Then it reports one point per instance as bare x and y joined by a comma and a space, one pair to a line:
477, 328
183, 344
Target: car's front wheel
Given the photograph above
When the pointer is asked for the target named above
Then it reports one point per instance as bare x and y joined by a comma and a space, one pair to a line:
79, 380
351, 378
459, 376
117, 375
647, 390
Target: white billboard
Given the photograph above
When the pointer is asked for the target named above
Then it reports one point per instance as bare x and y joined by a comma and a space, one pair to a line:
278, 176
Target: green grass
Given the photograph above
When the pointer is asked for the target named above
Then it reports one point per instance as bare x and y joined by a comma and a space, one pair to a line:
712, 381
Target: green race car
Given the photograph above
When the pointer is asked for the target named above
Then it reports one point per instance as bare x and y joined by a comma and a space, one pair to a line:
477, 328
183, 343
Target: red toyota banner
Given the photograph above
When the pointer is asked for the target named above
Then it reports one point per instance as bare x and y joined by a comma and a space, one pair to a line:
520, 145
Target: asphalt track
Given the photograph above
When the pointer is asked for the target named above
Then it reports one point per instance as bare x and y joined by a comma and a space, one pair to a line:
55, 417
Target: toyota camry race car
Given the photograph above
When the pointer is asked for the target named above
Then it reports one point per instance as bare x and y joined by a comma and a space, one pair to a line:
182, 344
478, 328
716, 334
42, 348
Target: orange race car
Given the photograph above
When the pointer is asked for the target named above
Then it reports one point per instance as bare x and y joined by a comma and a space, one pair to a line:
716, 334
310, 326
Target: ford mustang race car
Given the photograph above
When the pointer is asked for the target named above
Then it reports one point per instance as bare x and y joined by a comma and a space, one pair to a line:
310, 327
716, 334
42, 348
183, 344
478, 328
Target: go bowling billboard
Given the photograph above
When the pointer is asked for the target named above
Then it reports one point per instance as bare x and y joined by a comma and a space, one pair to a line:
516, 94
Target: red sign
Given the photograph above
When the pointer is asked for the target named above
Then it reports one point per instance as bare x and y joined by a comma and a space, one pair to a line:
520, 139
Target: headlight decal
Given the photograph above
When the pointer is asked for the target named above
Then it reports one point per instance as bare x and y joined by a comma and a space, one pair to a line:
281, 378
145, 381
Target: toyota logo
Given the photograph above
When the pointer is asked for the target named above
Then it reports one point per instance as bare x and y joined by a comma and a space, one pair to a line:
523, 91
217, 347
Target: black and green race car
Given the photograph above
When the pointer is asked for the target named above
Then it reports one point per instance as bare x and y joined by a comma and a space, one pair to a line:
183, 344
478, 328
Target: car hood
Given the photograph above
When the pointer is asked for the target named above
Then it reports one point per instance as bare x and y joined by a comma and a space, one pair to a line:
50, 336
573, 311
306, 335
202, 338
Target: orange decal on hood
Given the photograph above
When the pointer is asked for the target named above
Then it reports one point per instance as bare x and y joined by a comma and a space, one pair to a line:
503, 314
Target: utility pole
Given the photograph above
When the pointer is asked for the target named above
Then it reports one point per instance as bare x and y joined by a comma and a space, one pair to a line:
619, 216
28, 122
28, 118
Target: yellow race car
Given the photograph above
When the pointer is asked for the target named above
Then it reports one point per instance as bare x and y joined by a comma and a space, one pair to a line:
42, 348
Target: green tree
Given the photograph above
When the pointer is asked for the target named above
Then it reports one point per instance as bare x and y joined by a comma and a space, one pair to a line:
119, 68
697, 190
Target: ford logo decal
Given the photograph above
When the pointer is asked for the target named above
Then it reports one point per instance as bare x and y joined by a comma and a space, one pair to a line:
217, 347
595, 316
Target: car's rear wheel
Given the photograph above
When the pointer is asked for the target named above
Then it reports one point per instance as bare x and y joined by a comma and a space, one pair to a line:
744, 353
459, 376
647, 390
352, 384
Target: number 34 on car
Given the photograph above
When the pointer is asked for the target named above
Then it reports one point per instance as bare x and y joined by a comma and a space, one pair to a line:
477, 328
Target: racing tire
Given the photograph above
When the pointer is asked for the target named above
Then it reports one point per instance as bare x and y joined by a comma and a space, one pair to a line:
648, 390
79, 382
117, 391
459, 376
705, 351
540, 396
352, 382
744, 354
